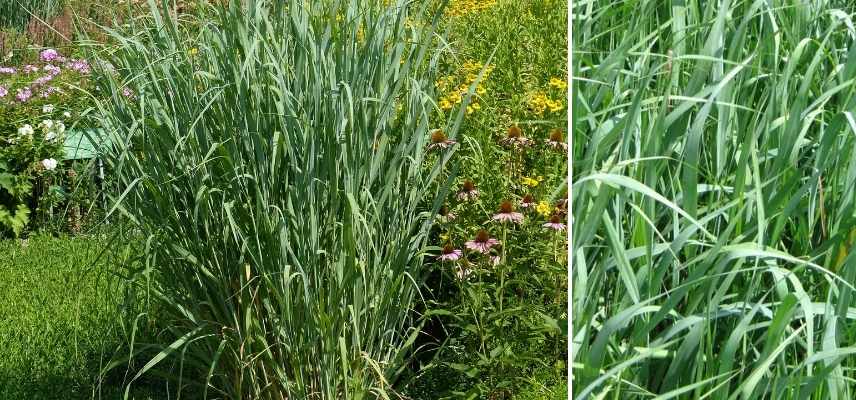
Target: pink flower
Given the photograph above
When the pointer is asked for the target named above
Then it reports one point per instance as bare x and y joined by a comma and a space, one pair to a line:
47, 92
24, 94
468, 191
128, 93
30, 69
495, 260
507, 213
439, 141
450, 253
49, 55
482, 243
43, 80
3, 91
52, 69
8, 70
528, 201
80, 66
555, 223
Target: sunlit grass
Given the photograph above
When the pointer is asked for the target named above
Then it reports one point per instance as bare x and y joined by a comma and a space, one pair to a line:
714, 167
271, 155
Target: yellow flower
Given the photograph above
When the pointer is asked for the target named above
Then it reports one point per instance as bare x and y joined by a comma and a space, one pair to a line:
540, 178
193, 51
480, 90
543, 208
476, 106
531, 182
445, 104
444, 237
538, 103
558, 83
555, 106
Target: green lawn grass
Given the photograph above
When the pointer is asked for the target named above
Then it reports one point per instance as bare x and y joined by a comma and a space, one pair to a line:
55, 323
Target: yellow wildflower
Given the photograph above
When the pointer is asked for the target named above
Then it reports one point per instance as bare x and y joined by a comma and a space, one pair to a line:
555, 105
558, 83
543, 208
538, 103
531, 182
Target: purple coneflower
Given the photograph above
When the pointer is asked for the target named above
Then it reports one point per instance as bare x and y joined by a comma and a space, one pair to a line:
446, 215
507, 213
468, 191
555, 223
24, 94
450, 253
482, 243
440, 141
557, 140
514, 138
30, 69
8, 70
128, 93
528, 201
49, 55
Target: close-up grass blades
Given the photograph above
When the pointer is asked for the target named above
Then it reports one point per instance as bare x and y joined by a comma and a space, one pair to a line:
714, 227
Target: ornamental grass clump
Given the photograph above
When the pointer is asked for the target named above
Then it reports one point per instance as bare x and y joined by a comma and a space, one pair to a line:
273, 157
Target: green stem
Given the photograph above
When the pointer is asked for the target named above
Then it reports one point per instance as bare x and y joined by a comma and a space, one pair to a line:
502, 262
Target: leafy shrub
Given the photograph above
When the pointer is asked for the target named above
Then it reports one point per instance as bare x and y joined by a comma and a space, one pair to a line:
37, 99
272, 155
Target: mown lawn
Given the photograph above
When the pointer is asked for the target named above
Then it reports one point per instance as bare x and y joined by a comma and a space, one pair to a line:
57, 324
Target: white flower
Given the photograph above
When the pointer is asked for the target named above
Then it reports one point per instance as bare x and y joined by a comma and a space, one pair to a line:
50, 136
48, 108
59, 127
46, 125
49, 164
66, 114
25, 130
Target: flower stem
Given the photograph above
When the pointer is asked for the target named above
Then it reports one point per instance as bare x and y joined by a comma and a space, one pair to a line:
502, 262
